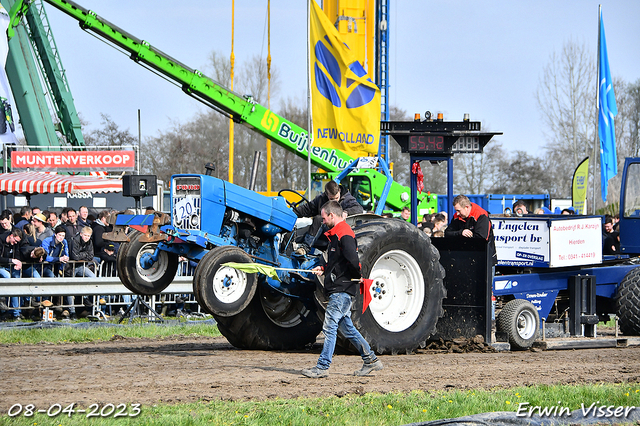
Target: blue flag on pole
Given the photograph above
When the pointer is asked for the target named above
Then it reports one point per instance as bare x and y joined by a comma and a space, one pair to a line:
607, 109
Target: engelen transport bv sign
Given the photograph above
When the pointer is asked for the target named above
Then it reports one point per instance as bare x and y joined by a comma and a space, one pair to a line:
73, 161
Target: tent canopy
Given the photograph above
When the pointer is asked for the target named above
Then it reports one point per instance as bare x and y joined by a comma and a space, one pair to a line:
29, 183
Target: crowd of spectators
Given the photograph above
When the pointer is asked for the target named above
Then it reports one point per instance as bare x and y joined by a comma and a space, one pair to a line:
37, 243
433, 224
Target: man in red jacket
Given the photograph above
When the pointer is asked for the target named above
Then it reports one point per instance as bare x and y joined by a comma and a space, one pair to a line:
471, 221
341, 281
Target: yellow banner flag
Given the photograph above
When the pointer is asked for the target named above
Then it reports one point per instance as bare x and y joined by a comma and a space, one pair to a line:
345, 103
579, 187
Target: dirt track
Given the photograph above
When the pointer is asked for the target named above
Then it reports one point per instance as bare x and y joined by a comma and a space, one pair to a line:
186, 369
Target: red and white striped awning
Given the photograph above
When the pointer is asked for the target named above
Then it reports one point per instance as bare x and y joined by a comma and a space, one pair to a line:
47, 183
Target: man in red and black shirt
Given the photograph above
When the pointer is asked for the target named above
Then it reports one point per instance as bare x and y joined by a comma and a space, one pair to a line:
471, 221
341, 281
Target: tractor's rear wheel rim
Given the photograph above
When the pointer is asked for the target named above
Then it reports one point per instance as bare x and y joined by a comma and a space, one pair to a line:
397, 291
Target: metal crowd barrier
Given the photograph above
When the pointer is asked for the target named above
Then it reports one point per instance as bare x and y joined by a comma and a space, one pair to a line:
106, 285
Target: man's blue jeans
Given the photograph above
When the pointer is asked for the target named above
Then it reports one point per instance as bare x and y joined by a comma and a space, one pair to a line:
70, 300
338, 318
25, 272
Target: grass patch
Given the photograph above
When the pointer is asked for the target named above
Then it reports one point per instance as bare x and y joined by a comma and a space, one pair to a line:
368, 409
75, 334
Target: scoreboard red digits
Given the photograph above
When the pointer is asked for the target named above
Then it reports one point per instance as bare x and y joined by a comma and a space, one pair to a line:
424, 143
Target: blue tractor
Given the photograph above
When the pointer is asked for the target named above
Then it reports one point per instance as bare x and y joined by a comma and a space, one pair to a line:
213, 222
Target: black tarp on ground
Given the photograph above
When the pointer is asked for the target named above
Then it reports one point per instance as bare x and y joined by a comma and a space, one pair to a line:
506, 418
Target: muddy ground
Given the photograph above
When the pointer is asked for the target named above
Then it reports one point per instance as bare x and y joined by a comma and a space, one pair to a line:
188, 369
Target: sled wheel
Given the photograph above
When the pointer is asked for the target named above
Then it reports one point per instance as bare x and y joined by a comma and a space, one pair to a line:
519, 319
628, 303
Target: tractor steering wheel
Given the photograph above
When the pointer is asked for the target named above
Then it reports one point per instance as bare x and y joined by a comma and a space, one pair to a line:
290, 203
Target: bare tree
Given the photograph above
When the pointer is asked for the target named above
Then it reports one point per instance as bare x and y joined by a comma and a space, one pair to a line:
110, 134
400, 160
291, 169
627, 125
185, 148
477, 173
521, 173
633, 92
566, 99
219, 69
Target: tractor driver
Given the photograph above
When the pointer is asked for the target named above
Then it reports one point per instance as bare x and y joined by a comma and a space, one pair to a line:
332, 192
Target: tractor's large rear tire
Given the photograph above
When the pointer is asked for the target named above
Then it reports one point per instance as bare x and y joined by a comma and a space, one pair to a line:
408, 286
138, 279
519, 319
272, 321
628, 303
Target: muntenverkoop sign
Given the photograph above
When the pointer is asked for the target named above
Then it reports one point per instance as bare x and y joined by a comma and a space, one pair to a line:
548, 242
61, 161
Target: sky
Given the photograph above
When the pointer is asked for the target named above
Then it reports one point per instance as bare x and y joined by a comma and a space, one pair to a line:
455, 57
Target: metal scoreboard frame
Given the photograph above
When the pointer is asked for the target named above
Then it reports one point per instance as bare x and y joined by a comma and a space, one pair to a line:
436, 140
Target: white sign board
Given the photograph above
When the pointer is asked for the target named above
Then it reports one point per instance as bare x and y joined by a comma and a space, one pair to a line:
548, 242
522, 242
576, 241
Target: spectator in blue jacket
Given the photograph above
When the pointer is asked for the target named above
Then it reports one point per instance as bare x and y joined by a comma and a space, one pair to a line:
58, 255
57, 252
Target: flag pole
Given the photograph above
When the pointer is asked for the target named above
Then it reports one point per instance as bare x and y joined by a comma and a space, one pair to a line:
597, 138
309, 112
292, 269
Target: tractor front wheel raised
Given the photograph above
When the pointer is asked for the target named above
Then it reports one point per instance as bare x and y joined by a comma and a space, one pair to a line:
139, 271
221, 290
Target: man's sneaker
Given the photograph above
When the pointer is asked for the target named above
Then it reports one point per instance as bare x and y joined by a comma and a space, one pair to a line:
65, 314
369, 367
315, 373
46, 303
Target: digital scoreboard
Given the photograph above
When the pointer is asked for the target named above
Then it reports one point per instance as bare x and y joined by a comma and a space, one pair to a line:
437, 137
428, 144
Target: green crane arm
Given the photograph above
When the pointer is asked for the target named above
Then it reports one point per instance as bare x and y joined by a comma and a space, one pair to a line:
242, 109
